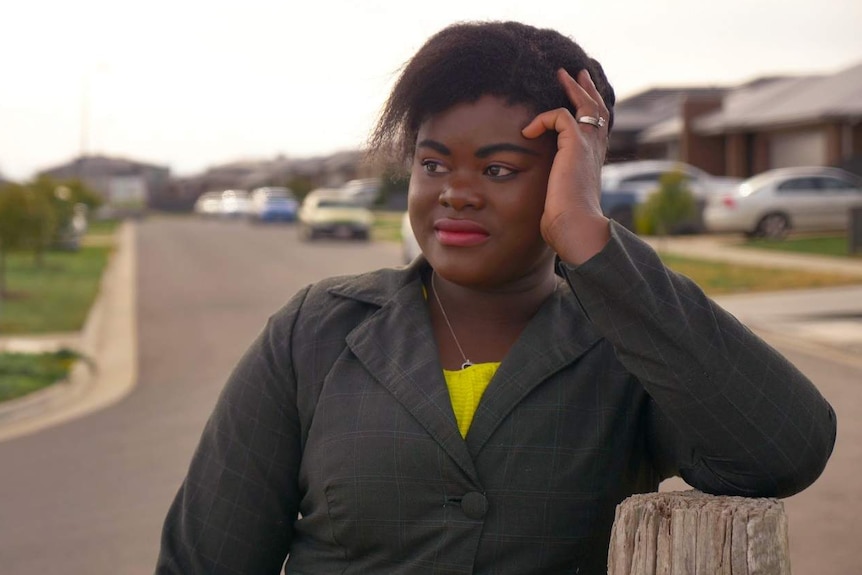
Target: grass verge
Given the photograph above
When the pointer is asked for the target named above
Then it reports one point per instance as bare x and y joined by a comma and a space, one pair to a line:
23, 373
828, 245
102, 227
717, 278
55, 297
387, 226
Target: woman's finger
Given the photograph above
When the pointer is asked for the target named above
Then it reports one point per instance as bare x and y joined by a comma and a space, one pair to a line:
585, 97
587, 84
558, 120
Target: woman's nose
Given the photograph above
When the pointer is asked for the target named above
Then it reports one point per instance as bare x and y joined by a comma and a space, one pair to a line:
460, 195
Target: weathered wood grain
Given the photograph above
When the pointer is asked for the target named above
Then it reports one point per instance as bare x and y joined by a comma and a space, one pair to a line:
692, 533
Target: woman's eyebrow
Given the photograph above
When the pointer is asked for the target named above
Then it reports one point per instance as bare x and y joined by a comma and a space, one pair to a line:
482, 152
486, 151
436, 146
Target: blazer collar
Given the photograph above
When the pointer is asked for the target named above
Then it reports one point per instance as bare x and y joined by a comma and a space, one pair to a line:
397, 346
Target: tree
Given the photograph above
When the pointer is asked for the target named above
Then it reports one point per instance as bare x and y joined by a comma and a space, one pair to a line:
46, 214
79, 193
14, 225
58, 199
300, 186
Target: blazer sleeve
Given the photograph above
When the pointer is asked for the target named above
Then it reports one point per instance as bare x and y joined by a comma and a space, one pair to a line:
235, 510
730, 414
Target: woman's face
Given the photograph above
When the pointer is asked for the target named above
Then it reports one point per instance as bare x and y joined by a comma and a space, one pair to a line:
477, 192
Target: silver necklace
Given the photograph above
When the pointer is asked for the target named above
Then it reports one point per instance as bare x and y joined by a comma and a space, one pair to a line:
467, 363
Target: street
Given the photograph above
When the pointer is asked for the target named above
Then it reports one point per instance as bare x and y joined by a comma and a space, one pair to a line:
88, 497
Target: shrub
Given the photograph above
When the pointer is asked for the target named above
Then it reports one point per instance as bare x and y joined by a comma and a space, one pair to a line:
666, 208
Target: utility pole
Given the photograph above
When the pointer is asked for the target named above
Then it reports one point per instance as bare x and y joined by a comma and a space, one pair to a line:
85, 114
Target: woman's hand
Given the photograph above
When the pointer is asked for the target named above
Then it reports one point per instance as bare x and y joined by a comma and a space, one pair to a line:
573, 223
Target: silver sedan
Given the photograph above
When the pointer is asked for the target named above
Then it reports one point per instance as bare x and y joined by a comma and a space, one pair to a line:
777, 201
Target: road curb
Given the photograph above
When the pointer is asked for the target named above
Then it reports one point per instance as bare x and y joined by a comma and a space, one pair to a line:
108, 343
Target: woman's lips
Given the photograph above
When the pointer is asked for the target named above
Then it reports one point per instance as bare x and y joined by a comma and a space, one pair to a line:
460, 233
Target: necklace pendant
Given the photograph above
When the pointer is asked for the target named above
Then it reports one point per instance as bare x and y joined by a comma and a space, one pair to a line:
467, 363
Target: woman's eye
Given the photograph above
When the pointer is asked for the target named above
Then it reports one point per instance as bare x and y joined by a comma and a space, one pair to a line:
433, 167
496, 171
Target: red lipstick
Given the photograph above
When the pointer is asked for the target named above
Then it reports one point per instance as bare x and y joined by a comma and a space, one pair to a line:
460, 233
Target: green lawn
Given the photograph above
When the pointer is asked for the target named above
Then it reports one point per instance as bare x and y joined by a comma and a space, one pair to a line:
716, 278
102, 227
23, 373
387, 226
830, 245
54, 297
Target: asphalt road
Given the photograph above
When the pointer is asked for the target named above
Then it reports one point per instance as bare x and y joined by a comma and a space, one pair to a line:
89, 497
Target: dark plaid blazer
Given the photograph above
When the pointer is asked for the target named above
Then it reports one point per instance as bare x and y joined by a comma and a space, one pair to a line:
334, 441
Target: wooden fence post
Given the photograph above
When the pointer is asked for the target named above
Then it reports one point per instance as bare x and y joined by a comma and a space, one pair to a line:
692, 533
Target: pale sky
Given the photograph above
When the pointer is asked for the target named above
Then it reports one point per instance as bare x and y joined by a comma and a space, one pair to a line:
188, 83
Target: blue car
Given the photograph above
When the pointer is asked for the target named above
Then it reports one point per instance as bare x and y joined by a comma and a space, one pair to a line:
273, 204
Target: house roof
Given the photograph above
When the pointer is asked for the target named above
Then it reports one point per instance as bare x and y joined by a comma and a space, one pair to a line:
650, 107
102, 165
665, 131
787, 101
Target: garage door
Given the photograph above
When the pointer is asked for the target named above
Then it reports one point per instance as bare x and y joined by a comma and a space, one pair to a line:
804, 148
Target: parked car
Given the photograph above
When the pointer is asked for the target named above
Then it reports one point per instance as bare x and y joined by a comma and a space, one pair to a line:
620, 206
776, 201
364, 192
224, 204
642, 178
327, 212
235, 204
208, 204
273, 204
409, 246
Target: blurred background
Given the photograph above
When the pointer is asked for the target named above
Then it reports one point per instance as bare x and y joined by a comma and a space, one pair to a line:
191, 85
171, 172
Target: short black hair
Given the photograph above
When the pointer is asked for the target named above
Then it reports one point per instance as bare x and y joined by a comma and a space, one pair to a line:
468, 60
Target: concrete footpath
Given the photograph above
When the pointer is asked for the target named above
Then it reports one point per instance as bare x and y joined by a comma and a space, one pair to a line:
108, 342
825, 321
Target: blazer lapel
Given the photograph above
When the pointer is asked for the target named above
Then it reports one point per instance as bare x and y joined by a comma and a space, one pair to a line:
397, 347
557, 335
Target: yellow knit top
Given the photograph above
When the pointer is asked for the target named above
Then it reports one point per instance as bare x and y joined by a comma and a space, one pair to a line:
466, 387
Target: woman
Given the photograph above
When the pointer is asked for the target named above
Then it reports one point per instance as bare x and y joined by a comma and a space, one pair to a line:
483, 410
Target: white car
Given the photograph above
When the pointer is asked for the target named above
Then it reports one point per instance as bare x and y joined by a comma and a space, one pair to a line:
327, 212
409, 246
208, 204
364, 192
642, 178
224, 204
235, 204
777, 201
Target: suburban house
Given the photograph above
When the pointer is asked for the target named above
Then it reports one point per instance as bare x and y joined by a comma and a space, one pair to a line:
767, 123
126, 186
656, 107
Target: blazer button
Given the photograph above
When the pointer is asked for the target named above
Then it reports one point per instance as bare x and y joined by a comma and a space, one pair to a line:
474, 505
